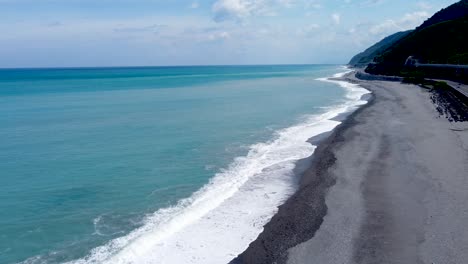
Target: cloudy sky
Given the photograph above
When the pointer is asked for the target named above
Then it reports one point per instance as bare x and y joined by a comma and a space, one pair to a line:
58, 33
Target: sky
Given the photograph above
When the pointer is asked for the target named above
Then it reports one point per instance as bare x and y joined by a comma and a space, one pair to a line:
90, 33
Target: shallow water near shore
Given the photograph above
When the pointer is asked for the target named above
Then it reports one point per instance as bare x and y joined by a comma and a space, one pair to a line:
129, 165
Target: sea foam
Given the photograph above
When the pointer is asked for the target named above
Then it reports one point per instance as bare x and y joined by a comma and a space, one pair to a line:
219, 221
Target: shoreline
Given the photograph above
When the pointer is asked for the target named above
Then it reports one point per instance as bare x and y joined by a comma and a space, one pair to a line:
272, 244
235, 212
379, 206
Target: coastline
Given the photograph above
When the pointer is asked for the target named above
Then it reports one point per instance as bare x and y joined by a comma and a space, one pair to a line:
223, 209
392, 203
301, 215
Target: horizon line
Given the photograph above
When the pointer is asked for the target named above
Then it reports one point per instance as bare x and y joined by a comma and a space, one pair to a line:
162, 66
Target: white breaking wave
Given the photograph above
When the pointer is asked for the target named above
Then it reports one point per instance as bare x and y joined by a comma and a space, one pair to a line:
219, 221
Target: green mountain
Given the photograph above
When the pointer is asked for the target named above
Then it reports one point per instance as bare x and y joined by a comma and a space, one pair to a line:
455, 11
442, 43
367, 56
442, 39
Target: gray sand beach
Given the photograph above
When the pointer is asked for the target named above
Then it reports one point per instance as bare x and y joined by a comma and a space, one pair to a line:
389, 185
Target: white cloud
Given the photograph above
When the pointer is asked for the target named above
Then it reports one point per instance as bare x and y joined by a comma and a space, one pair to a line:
372, 2
239, 10
408, 21
424, 5
222, 35
336, 18
287, 3
312, 5
194, 5
308, 31
414, 19
385, 27
236, 9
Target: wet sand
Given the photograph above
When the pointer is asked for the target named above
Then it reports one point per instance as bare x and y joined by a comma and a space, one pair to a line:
389, 185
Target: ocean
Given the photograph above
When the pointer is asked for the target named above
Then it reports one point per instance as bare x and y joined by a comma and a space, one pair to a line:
154, 164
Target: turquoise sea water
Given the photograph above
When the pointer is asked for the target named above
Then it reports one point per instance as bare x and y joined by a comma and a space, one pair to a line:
89, 155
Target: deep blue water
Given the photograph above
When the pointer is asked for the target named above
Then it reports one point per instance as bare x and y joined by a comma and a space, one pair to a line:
87, 154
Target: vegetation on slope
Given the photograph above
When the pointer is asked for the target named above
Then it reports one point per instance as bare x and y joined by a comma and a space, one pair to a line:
441, 43
442, 39
367, 56
455, 11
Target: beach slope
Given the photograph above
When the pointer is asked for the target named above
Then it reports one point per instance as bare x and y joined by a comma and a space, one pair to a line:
390, 185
